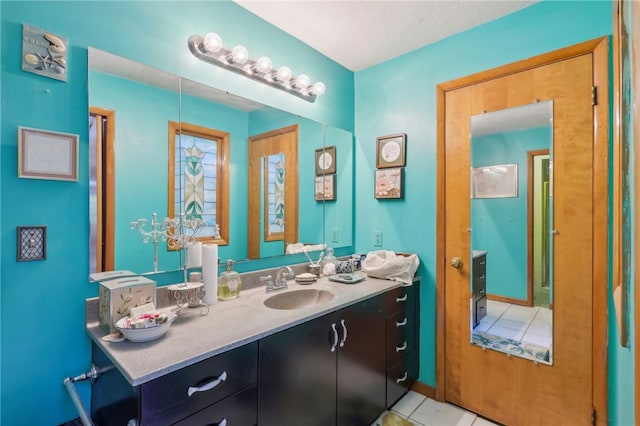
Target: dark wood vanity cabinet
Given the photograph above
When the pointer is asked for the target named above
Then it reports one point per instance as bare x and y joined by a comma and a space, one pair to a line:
344, 368
327, 371
220, 389
402, 310
478, 286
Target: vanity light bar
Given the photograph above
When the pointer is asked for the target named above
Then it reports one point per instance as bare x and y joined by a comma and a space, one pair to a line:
209, 49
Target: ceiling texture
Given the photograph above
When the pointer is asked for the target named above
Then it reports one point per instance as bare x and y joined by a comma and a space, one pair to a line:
358, 34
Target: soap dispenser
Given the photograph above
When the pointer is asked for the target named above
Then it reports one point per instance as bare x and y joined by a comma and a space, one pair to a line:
329, 263
229, 283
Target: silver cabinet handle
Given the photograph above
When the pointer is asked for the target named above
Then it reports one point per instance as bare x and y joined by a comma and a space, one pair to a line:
403, 378
401, 299
335, 337
222, 422
344, 333
207, 386
401, 347
401, 323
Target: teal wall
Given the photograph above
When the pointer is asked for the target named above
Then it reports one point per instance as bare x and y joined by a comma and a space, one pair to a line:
396, 96
400, 96
500, 224
49, 343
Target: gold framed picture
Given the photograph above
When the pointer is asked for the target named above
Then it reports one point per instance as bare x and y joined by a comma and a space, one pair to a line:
391, 151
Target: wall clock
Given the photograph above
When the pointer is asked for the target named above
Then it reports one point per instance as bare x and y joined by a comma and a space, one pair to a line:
391, 151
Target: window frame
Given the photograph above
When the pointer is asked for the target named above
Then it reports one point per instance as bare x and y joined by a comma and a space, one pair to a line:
222, 174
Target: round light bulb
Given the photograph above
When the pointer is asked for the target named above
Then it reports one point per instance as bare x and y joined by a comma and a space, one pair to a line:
302, 81
212, 42
239, 54
283, 74
318, 88
263, 65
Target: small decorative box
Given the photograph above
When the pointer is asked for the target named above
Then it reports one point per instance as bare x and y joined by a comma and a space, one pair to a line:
119, 295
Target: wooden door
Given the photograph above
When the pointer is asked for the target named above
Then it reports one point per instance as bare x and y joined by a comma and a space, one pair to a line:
513, 390
274, 142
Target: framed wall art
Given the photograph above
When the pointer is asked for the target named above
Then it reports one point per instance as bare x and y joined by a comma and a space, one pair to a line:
325, 188
43, 154
389, 183
325, 160
391, 151
499, 181
44, 53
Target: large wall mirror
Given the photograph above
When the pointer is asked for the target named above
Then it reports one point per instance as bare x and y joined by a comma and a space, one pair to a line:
138, 112
511, 225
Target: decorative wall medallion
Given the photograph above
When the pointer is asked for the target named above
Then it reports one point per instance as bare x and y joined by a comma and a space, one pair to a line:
32, 243
44, 53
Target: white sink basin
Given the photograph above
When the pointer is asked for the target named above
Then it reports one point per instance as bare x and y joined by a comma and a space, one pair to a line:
297, 299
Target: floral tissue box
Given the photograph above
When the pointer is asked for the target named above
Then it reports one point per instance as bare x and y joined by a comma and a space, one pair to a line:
119, 295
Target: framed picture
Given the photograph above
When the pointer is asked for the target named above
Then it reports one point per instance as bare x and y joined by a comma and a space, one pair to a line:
325, 160
44, 154
389, 183
391, 151
325, 188
499, 181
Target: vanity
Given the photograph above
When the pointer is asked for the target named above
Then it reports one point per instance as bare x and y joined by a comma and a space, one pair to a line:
341, 358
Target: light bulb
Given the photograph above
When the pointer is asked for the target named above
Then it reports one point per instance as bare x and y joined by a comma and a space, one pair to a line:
283, 74
302, 81
239, 55
318, 88
263, 65
212, 42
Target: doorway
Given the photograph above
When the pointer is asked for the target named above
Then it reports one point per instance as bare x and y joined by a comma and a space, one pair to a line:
505, 388
273, 192
101, 188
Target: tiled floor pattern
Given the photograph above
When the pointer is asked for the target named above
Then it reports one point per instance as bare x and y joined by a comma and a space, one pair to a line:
520, 323
422, 411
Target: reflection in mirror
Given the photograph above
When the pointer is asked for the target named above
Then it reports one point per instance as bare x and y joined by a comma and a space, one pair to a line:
130, 182
511, 221
262, 147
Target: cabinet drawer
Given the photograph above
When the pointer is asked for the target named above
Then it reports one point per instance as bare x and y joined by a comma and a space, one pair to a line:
398, 299
400, 335
166, 400
401, 376
479, 287
238, 409
480, 307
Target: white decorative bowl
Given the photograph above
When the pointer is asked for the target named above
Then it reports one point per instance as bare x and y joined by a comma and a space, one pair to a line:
144, 334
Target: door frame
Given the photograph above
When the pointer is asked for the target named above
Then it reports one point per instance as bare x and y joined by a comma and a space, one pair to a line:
530, 222
599, 48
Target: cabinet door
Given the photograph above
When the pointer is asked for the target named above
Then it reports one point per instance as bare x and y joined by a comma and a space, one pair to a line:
297, 375
361, 363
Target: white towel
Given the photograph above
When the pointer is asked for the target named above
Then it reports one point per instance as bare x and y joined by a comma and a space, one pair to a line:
387, 265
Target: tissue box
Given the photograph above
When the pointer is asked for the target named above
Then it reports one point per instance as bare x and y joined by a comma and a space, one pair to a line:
119, 295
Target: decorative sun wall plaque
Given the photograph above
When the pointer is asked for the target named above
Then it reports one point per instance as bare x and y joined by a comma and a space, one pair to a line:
44, 53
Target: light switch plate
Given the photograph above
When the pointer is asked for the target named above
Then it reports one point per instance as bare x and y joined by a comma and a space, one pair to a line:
32, 243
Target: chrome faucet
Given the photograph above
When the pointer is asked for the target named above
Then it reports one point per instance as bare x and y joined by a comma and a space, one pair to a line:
280, 282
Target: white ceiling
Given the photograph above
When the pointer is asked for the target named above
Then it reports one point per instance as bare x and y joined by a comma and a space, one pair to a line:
360, 33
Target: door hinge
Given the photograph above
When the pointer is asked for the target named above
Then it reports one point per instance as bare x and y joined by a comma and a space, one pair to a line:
593, 416
594, 95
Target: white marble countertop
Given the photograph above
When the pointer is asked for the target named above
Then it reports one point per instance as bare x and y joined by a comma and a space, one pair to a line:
229, 324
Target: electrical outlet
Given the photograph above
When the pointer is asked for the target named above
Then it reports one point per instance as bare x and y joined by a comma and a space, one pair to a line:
377, 238
335, 235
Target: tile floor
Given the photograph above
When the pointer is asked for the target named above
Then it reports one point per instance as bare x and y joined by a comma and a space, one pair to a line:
520, 323
423, 411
